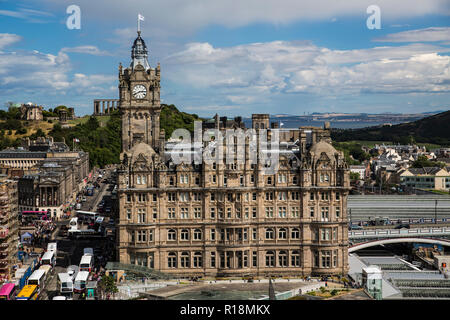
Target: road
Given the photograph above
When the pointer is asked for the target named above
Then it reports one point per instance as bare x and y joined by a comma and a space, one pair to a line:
70, 251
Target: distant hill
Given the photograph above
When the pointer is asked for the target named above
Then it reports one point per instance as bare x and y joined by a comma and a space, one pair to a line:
434, 129
171, 119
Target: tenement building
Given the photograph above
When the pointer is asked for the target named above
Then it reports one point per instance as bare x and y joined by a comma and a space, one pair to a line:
197, 217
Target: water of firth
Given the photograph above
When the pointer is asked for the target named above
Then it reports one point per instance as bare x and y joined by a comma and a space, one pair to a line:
295, 123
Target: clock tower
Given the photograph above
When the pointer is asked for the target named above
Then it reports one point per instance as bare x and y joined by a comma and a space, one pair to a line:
139, 100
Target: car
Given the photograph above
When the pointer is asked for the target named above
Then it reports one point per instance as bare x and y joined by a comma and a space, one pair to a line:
83, 199
403, 226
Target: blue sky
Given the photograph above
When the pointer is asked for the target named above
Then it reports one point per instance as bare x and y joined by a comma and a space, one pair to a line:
233, 57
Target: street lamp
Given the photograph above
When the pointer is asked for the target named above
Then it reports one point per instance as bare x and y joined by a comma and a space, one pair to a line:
435, 211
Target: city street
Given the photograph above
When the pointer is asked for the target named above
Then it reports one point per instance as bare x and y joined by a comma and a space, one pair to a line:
70, 251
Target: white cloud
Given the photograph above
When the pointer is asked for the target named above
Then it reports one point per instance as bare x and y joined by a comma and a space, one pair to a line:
93, 50
259, 70
183, 17
30, 15
420, 35
7, 39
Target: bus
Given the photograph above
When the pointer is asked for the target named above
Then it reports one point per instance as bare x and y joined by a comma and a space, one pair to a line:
80, 281
48, 258
87, 215
47, 269
37, 278
65, 283
53, 246
8, 291
29, 292
86, 263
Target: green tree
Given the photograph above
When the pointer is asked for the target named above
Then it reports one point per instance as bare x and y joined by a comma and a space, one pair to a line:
107, 285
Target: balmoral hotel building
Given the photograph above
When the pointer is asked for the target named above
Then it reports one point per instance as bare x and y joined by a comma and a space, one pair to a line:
222, 219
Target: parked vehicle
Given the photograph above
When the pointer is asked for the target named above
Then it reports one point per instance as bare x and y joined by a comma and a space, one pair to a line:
8, 291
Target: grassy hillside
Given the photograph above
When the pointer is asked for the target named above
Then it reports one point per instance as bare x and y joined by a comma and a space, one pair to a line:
171, 119
431, 130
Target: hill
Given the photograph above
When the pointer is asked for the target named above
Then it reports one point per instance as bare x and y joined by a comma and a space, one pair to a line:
433, 129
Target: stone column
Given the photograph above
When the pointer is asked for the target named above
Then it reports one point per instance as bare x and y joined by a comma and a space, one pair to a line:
103, 106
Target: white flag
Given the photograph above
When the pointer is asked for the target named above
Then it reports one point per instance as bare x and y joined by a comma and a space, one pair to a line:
141, 17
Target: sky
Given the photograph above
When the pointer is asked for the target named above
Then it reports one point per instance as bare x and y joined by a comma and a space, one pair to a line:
234, 57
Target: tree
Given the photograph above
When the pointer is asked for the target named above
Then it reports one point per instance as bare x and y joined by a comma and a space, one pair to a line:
354, 175
107, 285
422, 161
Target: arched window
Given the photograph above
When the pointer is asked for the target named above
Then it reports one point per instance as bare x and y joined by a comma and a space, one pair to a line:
269, 233
295, 258
270, 259
171, 235
172, 260
282, 259
184, 234
282, 233
185, 260
295, 233
198, 260
197, 234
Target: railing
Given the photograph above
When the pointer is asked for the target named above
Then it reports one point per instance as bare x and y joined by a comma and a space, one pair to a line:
388, 233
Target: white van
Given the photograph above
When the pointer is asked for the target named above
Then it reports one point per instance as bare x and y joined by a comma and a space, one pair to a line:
48, 258
80, 281
53, 246
72, 271
37, 278
88, 252
86, 263
65, 282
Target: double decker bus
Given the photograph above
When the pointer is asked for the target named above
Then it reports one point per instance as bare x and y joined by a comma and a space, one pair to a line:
28, 292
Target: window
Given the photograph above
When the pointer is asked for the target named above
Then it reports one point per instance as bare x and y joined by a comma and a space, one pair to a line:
213, 213
254, 212
270, 259
142, 236
155, 197
184, 196
184, 234
229, 213
316, 258
171, 235
269, 196
213, 234
128, 213
311, 212
252, 178
282, 212
197, 213
171, 213
150, 235
281, 178
225, 180
184, 213
254, 196
325, 234
229, 197
269, 180
220, 213
213, 196
197, 196
142, 197
213, 260
335, 257
295, 212
238, 213
295, 233
171, 181
311, 196
282, 196
282, 234
172, 260
214, 178
338, 196
282, 259
324, 214
241, 180
184, 178
171, 196
295, 259
185, 260
324, 195
128, 197
294, 180
269, 212
326, 259
254, 234
269, 234
141, 216
338, 212
197, 234
197, 180
254, 259
334, 233
295, 195
155, 214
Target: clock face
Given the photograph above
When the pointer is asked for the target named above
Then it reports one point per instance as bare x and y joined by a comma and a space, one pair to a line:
139, 91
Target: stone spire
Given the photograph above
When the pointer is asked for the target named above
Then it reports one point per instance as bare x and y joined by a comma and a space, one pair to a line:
139, 53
